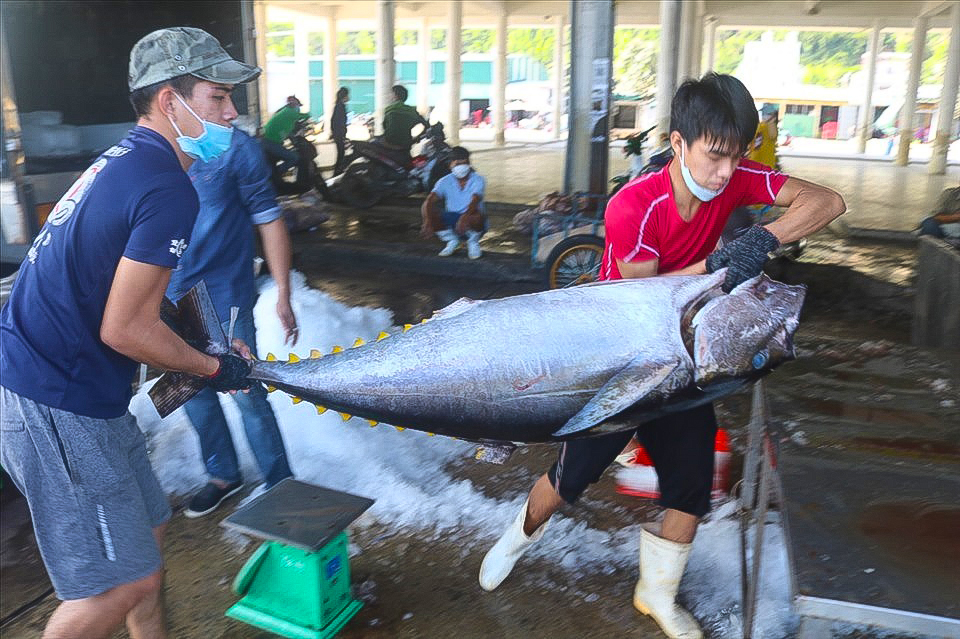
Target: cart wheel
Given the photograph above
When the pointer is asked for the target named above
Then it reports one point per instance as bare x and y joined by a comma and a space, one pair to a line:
575, 260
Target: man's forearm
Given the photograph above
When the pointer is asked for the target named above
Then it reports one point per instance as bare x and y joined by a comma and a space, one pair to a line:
276, 250
811, 210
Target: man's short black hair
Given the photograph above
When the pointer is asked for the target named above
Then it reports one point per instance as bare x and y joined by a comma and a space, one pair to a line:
141, 98
400, 92
342, 92
459, 153
717, 108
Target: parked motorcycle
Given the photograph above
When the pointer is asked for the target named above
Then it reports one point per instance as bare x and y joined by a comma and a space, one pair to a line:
306, 174
377, 172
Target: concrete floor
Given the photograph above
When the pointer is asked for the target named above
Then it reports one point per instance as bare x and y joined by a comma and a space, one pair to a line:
880, 196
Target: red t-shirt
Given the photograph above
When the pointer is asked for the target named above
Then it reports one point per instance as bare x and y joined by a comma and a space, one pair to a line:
642, 222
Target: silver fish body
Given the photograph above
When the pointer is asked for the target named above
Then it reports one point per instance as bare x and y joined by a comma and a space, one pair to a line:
558, 364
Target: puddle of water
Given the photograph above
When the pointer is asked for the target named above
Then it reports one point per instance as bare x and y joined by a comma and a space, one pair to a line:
917, 531
868, 413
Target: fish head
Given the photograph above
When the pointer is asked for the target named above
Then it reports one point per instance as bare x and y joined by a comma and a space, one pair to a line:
747, 332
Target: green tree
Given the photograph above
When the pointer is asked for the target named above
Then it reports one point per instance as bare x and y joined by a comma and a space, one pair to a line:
477, 40
635, 68
315, 43
404, 37
537, 43
438, 39
729, 49
356, 42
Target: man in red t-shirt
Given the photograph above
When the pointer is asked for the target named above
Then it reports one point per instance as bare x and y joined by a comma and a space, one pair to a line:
663, 223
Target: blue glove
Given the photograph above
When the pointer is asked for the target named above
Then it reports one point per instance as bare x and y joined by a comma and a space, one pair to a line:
231, 374
744, 257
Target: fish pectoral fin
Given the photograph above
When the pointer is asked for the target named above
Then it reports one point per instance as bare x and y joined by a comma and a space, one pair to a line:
635, 382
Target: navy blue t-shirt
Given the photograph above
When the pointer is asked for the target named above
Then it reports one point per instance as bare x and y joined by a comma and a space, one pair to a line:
136, 202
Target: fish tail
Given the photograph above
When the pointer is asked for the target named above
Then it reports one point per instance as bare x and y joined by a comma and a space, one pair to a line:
194, 319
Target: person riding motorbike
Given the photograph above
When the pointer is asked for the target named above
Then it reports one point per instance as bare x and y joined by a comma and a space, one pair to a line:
399, 119
280, 125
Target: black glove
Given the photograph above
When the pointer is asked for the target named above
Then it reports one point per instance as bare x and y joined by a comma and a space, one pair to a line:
744, 257
231, 375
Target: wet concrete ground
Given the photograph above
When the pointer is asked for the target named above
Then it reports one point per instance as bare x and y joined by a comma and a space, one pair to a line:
858, 308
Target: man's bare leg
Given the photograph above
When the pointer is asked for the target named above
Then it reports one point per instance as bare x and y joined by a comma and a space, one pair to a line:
678, 526
148, 620
541, 504
98, 616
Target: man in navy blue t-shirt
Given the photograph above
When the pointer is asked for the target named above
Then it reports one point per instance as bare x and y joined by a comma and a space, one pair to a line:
84, 310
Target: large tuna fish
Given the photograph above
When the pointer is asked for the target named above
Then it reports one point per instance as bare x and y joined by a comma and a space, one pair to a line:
554, 365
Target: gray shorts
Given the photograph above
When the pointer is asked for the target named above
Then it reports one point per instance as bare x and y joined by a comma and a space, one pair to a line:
92, 494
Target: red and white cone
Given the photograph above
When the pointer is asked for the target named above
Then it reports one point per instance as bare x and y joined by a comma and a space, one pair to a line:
639, 479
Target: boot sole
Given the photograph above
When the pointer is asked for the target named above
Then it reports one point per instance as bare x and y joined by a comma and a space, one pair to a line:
639, 605
193, 514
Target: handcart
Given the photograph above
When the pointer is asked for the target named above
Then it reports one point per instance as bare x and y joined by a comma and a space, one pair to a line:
570, 247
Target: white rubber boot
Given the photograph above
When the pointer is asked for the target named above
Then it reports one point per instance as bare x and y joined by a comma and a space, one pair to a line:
473, 245
452, 241
499, 560
661, 565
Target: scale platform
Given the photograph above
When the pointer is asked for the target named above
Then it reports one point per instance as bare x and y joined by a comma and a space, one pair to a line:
297, 583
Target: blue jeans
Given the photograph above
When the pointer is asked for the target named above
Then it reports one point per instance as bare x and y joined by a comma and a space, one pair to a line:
277, 151
259, 423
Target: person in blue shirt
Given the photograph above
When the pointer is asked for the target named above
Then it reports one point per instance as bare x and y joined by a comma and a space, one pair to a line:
235, 196
454, 210
84, 310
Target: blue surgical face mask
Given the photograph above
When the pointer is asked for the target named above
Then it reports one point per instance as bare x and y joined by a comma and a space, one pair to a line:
207, 146
702, 193
460, 171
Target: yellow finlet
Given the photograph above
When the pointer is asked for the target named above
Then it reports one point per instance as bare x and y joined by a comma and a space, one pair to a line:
315, 354
383, 335
424, 320
320, 409
271, 357
337, 349
270, 389
345, 416
407, 327
372, 422
431, 434
296, 400
400, 429
293, 359
359, 342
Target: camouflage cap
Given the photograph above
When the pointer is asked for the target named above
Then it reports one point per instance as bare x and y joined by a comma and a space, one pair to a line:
168, 53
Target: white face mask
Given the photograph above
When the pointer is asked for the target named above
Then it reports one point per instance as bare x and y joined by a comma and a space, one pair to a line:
702, 193
460, 171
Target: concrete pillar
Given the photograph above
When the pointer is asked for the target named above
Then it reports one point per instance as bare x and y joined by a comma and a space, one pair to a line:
948, 99
386, 66
815, 114
249, 39
260, 22
710, 43
454, 69
498, 96
591, 52
696, 40
558, 74
865, 121
301, 63
331, 73
667, 61
423, 68
910, 97
685, 38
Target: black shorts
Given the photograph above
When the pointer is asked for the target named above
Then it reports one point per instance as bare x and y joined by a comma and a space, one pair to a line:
679, 444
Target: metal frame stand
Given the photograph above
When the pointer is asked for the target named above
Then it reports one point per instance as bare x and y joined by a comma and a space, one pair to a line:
759, 483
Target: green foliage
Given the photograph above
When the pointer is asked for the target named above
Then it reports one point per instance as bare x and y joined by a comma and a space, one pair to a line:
935, 61
477, 40
537, 43
836, 49
635, 68
280, 46
622, 37
356, 42
315, 43
729, 49
438, 39
279, 26
404, 37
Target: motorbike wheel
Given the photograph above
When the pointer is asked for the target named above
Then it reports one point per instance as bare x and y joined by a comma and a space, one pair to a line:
576, 260
359, 186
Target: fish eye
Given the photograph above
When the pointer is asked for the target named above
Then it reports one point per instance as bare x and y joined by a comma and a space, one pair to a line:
760, 360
